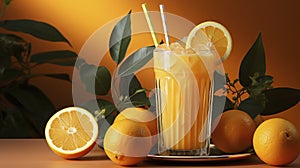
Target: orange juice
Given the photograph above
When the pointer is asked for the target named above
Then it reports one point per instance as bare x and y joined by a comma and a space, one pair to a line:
183, 102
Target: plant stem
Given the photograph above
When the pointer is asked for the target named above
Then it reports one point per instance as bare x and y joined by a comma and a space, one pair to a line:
237, 98
137, 92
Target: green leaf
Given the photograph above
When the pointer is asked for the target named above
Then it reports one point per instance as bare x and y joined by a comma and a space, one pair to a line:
11, 74
61, 57
220, 104
103, 110
37, 29
61, 76
103, 125
14, 124
5, 60
280, 99
102, 81
130, 84
261, 80
152, 101
2, 69
7, 2
95, 79
13, 45
5, 53
253, 62
219, 81
132, 92
120, 39
258, 85
37, 105
252, 107
229, 105
100, 108
135, 61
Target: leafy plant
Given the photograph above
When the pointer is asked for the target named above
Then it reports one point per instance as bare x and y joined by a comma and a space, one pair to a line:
127, 90
257, 95
24, 108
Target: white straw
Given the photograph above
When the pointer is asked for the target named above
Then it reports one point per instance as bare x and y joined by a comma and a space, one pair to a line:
163, 18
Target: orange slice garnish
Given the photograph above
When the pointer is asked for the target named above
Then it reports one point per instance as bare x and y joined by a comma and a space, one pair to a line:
208, 36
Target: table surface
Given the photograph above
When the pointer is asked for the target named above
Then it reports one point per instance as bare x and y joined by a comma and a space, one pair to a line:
33, 153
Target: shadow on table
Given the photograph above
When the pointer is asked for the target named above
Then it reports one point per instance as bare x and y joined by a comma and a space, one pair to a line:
90, 158
253, 160
96, 154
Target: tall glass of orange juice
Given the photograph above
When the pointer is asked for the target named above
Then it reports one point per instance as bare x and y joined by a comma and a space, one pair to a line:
184, 100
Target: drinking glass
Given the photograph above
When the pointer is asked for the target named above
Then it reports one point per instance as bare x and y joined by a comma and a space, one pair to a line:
183, 101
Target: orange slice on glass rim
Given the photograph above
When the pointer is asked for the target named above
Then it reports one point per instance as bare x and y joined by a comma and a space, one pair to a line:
71, 132
208, 36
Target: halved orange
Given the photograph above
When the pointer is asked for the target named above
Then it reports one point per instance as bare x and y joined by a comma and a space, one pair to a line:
208, 36
71, 132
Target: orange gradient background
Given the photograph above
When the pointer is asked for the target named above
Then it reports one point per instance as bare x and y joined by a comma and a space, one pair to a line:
277, 20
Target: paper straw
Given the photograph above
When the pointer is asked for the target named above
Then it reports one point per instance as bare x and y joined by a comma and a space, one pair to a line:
163, 18
150, 24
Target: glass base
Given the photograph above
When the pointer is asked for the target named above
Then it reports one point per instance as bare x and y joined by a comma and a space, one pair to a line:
193, 152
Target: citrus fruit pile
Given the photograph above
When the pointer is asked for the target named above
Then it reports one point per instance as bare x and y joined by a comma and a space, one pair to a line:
276, 141
72, 132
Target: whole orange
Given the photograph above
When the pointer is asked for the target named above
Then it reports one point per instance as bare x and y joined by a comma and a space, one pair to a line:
233, 131
127, 142
141, 115
276, 142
